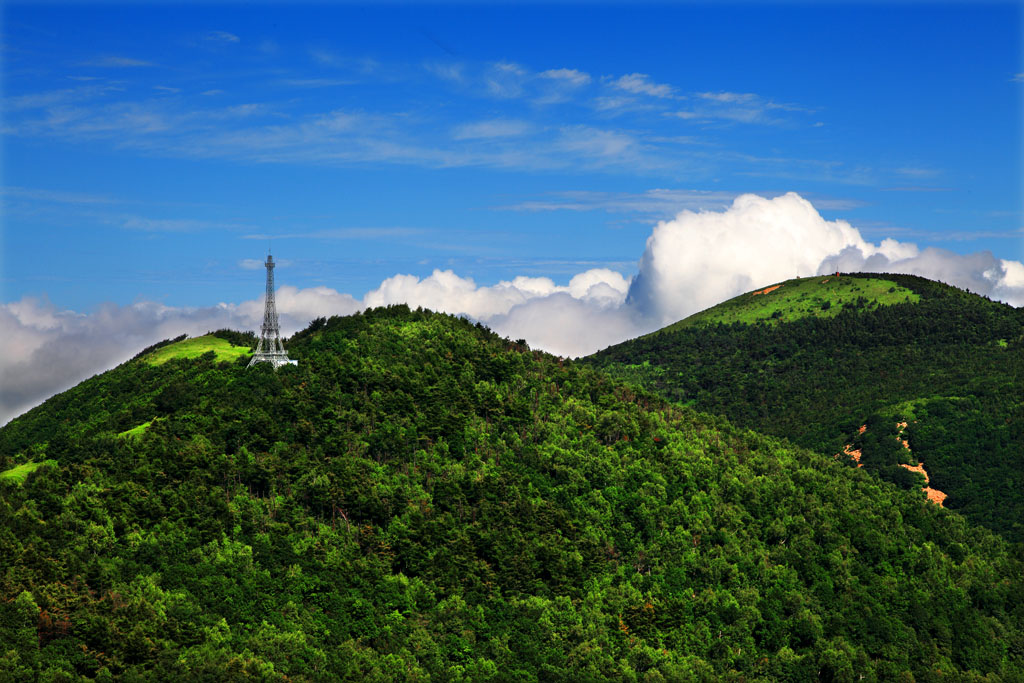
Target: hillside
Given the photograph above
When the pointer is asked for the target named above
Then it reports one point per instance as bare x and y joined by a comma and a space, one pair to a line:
839, 364
422, 500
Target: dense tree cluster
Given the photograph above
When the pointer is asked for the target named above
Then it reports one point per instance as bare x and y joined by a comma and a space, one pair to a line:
420, 499
952, 361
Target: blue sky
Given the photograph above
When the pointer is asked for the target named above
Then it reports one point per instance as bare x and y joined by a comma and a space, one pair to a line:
572, 174
150, 151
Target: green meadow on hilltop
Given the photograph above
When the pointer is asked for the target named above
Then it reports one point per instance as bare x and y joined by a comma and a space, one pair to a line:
194, 347
818, 297
420, 499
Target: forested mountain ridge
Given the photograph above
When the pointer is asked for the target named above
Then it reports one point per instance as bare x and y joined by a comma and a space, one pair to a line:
422, 500
876, 352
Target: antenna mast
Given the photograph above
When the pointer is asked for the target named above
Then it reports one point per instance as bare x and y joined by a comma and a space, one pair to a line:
270, 349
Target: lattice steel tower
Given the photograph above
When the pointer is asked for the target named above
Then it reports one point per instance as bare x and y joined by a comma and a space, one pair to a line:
270, 349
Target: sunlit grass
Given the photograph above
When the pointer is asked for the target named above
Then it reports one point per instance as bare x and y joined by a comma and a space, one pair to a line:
135, 432
20, 473
195, 347
820, 297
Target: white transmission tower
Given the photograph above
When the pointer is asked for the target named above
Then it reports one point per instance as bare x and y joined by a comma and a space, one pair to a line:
270, 350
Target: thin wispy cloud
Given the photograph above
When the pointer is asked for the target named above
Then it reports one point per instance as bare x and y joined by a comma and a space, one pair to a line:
915, 188
569, 76
144, 224
116, 61
454, 72
342, 234
505, 79
253, 132
917, 172
618, 104
495, 128
43, 195
222, 37
52, 98
326, 57
315, 82
560, 85
641, 84
655, 202
736, 107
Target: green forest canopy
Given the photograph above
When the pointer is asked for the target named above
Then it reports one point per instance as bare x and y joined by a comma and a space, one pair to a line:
422, 500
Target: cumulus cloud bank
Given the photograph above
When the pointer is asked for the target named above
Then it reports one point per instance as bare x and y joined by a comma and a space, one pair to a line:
691, 262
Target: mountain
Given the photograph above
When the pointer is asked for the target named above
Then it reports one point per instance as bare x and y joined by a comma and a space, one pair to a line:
420, 499
904, 376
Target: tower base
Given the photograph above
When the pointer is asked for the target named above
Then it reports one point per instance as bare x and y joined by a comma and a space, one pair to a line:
275, 359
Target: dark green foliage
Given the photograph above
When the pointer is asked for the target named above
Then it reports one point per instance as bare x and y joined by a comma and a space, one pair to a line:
240, 338
422, 500
953, 361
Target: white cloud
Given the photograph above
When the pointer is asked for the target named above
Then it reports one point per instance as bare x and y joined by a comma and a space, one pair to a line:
641, 84
699, 259
692, 261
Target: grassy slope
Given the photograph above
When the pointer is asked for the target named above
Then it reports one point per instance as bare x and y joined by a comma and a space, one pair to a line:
820, 297
816, 380
195, 347
136, 432
19, 473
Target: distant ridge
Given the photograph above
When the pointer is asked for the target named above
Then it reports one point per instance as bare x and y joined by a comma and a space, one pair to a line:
814, 359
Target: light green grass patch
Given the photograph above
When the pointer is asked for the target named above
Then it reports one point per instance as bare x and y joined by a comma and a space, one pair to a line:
412, 329
135, 432
20, 473
822, 297
195, 347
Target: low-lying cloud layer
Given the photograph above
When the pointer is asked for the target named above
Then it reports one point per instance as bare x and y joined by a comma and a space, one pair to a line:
693, 261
